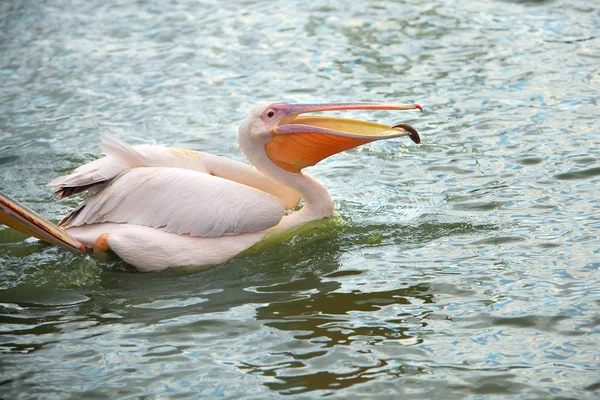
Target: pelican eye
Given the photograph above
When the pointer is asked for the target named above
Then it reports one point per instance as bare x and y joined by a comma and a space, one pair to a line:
270, 114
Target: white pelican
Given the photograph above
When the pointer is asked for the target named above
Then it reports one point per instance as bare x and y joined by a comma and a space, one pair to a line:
158, 207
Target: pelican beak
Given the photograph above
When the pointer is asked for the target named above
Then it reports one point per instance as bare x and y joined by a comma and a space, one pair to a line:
23, 219
301, 141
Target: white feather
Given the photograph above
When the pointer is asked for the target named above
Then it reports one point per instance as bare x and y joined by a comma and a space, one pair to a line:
121, 157
181, 201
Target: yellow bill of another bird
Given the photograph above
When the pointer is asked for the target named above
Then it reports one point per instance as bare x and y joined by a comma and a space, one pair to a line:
21, 218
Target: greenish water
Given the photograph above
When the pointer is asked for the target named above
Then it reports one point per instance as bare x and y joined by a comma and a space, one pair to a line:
467, 267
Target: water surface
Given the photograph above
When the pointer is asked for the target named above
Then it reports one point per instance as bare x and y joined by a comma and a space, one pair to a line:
466, 267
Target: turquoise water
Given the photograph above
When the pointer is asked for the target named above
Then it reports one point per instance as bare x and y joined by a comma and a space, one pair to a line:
466, 267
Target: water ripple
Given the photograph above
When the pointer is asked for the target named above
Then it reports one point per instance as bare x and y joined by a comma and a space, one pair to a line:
462, 268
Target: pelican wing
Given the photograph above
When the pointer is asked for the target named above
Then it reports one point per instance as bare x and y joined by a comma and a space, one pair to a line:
180, 201
120, 157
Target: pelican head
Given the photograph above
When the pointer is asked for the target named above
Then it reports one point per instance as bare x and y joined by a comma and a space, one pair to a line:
293, 141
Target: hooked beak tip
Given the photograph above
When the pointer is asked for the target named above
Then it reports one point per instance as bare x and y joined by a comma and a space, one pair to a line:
419, 107
412, 132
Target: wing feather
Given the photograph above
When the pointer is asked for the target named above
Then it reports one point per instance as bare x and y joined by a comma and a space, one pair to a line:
121, 156
180, 201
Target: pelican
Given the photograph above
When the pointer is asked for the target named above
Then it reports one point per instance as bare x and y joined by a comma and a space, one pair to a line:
158, 207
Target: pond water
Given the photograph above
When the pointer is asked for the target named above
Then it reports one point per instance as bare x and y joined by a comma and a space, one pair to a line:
466, 267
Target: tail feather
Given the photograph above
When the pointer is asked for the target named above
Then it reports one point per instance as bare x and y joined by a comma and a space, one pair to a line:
125, 153
21, 218
94, 175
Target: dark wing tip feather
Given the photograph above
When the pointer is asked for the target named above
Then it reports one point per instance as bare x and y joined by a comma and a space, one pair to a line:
68, 191
64, 223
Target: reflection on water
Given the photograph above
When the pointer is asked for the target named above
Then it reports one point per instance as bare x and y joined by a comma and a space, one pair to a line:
466, 267
329, 320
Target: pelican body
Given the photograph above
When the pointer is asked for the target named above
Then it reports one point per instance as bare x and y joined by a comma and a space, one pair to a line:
158, 207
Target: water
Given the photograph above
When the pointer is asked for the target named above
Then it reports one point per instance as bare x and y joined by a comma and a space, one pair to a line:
467, 267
